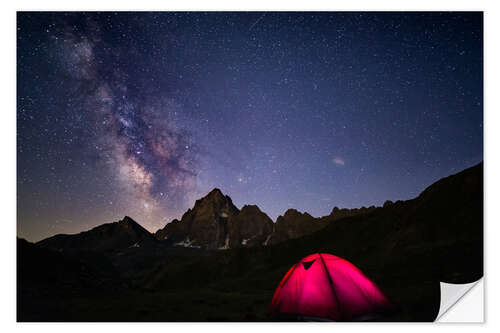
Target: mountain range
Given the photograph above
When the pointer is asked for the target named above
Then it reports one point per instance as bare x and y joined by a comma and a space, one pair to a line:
222, 263
213, 223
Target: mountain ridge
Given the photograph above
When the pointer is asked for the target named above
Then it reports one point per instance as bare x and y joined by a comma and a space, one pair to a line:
214, 222
104, 237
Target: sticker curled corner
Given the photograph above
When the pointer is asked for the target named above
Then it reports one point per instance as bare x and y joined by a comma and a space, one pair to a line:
451, 294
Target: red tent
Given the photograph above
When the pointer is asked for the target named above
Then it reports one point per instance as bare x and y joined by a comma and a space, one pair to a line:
325, 286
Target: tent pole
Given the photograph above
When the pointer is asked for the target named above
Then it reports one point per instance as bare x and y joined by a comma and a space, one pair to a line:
331, 285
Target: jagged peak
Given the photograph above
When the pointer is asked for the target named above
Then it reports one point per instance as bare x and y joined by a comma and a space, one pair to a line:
127, 219
251, 208
214, 195
128, 222
337, 210
292, 212
215, 192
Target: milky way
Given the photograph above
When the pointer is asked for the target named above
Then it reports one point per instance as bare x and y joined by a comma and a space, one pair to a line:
140, 114
136, 136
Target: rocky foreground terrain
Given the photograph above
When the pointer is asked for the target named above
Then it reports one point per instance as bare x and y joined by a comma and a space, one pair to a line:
221, 263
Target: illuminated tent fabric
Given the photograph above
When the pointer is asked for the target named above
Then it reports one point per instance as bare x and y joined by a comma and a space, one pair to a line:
326, 286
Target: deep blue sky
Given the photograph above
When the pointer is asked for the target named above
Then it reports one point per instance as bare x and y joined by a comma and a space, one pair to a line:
142, 113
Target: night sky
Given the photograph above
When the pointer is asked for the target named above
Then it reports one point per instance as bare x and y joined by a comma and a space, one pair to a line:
141, 114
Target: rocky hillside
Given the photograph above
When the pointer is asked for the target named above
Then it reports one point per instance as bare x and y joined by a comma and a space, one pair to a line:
295, 224
215, 223
109, 236
205, 225
250, 227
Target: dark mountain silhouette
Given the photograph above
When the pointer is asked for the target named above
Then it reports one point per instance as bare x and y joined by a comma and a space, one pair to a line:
215, 223
206, 225
250, 227
406, 247
109, 236
294, 224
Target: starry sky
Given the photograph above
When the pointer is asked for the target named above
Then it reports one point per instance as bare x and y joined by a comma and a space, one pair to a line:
141, 114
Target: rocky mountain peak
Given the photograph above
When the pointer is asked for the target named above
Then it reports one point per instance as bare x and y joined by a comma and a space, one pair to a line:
250, 227
128, 221
215, 202
338, 213
108, 236
388, 203
293, 213
130, 225
205, 225
215, 193
250, 209
293, 224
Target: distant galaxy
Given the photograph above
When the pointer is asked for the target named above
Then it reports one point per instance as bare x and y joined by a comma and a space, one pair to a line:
141, 114
135, 134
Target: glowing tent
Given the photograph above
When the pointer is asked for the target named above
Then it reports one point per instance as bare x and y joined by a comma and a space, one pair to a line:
325, 286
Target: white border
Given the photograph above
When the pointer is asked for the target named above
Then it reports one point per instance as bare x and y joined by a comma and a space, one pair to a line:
8, 171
